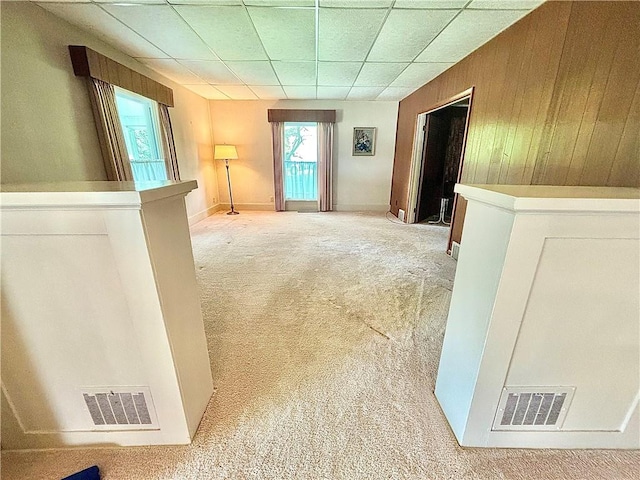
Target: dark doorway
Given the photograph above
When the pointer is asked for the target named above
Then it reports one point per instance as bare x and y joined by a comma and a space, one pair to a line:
444, 138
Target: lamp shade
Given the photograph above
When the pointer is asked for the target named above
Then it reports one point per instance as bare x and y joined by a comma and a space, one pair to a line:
225, 152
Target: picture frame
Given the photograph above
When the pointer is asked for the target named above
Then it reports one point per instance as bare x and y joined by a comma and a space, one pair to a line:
364, 141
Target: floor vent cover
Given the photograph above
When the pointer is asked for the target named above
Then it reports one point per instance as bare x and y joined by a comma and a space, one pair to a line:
121, 408
533, 408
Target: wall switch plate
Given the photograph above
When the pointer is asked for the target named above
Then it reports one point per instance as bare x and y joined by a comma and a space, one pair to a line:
401, 215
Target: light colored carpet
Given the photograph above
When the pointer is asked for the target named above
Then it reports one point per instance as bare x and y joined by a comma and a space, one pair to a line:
324, 333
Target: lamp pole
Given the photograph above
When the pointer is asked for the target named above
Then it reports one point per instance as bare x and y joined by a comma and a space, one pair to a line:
232, 212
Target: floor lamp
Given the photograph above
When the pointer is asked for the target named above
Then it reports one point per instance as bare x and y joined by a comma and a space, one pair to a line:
226, 153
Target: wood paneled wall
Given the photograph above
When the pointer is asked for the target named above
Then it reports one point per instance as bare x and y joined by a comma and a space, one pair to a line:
556, 101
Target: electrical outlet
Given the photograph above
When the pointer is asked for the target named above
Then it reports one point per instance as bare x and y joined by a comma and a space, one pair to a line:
214, 199
271, 199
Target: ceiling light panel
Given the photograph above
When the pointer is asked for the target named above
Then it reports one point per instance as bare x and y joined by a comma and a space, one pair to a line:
154, 21
333, 93
447, 4
254, 73
300, 92
212, 71
98, 22
506, 4
173, 70
268, 92
338, 73
364, 93
296, 73
471, 29
356, 3
227, 30
286, 33
207, 91
347, 34
379, 74
417, 74
406, 32
395, 93
237, 92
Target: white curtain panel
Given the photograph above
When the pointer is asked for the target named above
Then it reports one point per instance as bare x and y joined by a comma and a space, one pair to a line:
105, 112
277, 131
325, 163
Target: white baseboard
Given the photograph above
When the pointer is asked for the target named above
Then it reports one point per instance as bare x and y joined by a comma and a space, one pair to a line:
270, 207
361, 208
193, 219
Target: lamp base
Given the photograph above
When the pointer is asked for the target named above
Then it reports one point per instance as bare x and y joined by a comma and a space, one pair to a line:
233, 212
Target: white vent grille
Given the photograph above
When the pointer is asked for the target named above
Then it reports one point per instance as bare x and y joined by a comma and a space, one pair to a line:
455, 250
533, 408
118, 408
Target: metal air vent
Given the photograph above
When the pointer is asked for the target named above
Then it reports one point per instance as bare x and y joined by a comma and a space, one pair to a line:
120, 408
533, 408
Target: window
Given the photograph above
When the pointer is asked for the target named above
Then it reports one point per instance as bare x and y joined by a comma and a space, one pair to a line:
139, 120
300, 168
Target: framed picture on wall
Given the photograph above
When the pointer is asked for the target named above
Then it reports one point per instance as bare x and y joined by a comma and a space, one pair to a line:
364, 141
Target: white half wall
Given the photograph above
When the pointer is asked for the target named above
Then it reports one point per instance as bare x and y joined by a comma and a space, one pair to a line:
48, 132
359, 183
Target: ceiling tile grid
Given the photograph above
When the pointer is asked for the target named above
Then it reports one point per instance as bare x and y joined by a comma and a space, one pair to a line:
298, 49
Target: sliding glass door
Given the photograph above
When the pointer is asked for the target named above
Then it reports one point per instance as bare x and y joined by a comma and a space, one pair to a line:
300, 161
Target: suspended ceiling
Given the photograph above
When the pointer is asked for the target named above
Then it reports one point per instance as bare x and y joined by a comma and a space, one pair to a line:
296, 49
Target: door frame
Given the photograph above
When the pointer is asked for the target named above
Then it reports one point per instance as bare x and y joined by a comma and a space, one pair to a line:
417, 154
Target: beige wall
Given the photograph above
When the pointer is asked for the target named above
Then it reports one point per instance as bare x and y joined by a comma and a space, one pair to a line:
48, 132
360, 183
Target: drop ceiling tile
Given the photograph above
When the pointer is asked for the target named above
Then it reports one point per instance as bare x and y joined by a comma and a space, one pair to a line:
268, 92
140, 2
286, 33
379, 74
296, 73
364, 93
452, 4
280, 3
207, 91
395, 93
96, 21
237, 92
470, 30
227, 30
254, 73
406, 33
213, 72
333, 93
300, 92
173, 70
207, 2
347, 34
417, 74
506, 4
338, 73
154, 21
356, 3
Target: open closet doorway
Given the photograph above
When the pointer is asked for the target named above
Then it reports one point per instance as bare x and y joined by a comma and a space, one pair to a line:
438, 155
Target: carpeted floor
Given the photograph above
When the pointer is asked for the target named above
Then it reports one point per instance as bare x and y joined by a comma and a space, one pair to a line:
324, 334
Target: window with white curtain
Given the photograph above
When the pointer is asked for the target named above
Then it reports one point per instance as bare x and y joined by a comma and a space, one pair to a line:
139, 119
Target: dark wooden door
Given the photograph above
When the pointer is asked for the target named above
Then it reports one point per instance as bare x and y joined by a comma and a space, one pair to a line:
430, 190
